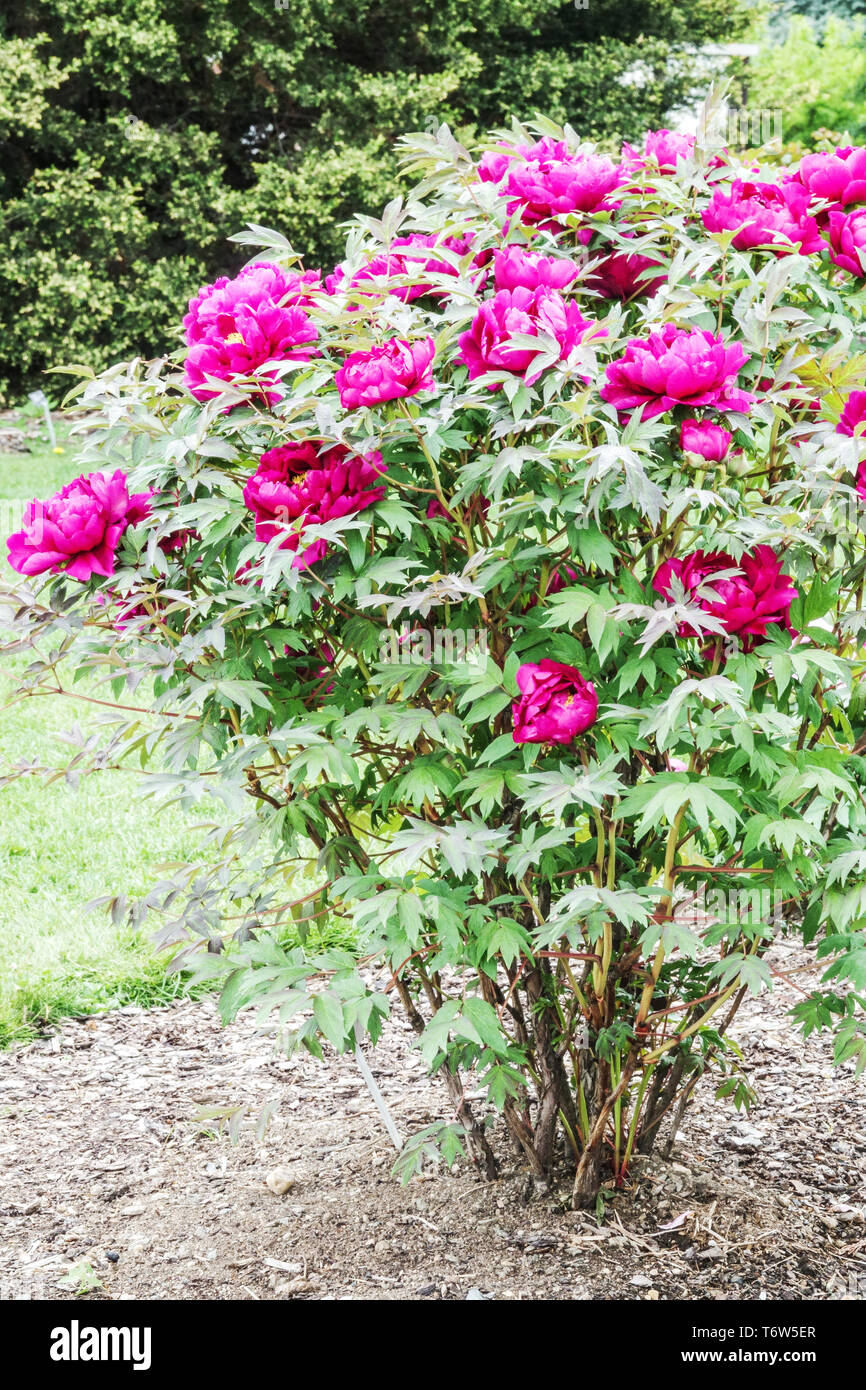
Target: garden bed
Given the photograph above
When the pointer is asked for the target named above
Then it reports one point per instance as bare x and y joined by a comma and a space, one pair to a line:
104, 1162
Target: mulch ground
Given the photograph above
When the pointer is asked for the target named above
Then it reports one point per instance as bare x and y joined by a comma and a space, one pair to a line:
105, 1167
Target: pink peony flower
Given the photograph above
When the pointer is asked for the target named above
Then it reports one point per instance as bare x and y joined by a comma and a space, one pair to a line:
621, 276
410, 257
270, 492
674, 367
556, 703
514, 267
848, 241
336, 281
852, 422
493, 164
835, 178
558, 579
236, 326
661, 147
486, 346
178, 540
474, 508
312, 671
385, 373
757, 596
705, 438
794, 403
542, 190
258, 281
295, 481
77, 531
765, 213
132, 614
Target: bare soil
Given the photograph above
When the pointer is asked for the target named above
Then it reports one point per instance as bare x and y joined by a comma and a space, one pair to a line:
105, 1167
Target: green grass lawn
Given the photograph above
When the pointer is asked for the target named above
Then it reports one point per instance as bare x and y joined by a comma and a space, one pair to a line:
61, 847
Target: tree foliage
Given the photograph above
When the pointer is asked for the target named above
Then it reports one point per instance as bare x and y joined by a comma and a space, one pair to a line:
815, 75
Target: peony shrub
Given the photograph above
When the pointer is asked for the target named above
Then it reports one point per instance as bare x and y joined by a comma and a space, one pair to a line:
506, 585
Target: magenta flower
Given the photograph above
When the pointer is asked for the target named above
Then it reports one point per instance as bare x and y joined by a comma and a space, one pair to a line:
297, 457
621, 276
848, 241
132, 614
852, 422
474, 508
542, 190
323, 653
385, 373
296, 481
256, 282
516, 268
336, 281
558, 579
796, 403
835, 178
666, 147
493, 164
486, 346
177, 541
410, 258
270, 491
78, 530
661, 147
765, 213
556, 703
705, 438
756, 597
236, 326
674, 367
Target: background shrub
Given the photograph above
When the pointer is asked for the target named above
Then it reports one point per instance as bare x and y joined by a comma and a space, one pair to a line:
815, 74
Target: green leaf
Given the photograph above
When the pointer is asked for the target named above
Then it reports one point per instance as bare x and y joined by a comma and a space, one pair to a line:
483, 1025
501, 747
486, 789
594, 548
328, 1013
596, 620
814, 603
